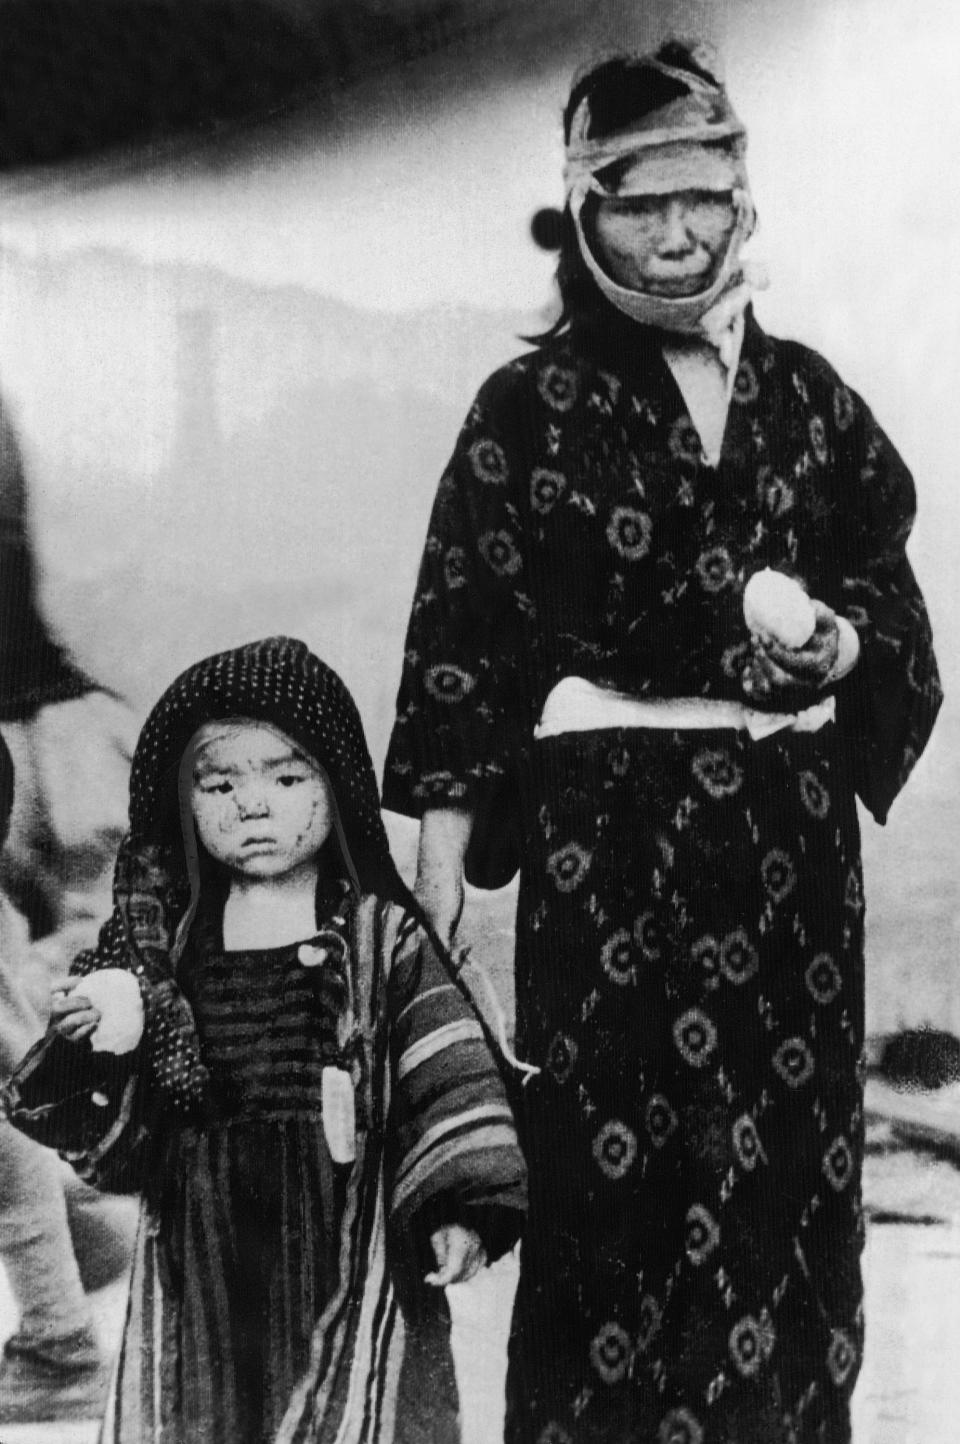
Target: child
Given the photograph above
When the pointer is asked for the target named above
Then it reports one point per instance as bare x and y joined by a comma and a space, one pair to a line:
309, 1101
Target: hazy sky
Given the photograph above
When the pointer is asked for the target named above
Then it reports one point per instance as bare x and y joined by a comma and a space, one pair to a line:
854, 119
416, 192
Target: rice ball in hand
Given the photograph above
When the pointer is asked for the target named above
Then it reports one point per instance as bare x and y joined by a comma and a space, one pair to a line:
778, 606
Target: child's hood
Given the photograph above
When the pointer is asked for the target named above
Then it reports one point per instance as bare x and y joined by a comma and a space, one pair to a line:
279, 681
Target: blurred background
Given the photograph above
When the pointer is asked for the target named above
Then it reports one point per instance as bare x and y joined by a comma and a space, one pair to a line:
256, 258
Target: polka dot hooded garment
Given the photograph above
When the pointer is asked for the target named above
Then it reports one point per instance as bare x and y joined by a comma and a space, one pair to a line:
278, 681
281, 682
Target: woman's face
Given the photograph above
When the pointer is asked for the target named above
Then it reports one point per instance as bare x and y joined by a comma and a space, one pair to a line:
261, 808
667, 245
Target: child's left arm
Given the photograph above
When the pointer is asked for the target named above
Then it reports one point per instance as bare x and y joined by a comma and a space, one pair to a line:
457, 1176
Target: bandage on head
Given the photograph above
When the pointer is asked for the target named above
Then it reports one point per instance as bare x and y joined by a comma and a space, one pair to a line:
694, 141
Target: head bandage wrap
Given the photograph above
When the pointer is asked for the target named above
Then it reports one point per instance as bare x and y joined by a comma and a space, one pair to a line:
674, 148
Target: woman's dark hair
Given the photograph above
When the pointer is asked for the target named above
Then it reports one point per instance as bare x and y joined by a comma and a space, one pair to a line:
580, 297
626, 88
621, 91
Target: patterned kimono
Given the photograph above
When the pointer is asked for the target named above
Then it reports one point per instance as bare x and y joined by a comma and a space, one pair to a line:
689, 954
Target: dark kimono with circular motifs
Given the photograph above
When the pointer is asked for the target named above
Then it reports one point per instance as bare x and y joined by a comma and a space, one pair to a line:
689, 966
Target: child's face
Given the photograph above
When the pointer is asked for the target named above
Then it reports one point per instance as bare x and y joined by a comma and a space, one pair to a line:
261, 808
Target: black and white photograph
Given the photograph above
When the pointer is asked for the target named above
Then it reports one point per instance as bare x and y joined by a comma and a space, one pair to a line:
479, 748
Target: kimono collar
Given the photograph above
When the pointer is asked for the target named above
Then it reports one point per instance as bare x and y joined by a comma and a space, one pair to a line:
628, 348
335, 906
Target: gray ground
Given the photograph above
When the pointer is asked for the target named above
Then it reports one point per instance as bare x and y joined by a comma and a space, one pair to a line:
909, 1391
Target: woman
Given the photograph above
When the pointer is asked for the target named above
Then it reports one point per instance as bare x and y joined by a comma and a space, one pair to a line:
581, 683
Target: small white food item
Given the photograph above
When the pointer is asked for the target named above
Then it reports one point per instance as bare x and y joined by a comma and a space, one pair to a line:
115, 994
777, 605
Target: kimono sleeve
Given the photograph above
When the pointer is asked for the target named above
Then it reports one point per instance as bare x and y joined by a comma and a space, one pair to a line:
890, 701
452, 1147
460, 708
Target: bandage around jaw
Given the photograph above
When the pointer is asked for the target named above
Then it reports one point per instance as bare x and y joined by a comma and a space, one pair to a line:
668, 313
116, 996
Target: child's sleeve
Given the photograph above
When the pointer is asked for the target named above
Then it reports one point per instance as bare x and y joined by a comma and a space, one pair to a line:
137, 938
452, 1147
96, 1107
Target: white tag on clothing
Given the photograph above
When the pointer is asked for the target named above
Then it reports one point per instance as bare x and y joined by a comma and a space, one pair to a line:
339, 1114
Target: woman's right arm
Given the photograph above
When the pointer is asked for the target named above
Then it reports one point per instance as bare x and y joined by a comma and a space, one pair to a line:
463, 706
444, 836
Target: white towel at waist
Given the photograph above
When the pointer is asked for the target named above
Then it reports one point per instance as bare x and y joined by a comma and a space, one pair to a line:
576, 705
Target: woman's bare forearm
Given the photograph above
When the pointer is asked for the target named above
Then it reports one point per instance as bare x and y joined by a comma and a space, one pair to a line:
444, 835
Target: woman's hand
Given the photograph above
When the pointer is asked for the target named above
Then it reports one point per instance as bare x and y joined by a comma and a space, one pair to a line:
793, 676
72, 1014
459, 1254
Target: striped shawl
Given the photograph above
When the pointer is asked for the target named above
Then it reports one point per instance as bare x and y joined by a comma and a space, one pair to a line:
441, 1144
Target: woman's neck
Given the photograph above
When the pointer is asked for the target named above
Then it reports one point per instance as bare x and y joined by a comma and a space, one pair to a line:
271, 912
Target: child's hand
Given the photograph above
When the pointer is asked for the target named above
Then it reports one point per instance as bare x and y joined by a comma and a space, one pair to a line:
459, 1254
72, 1015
